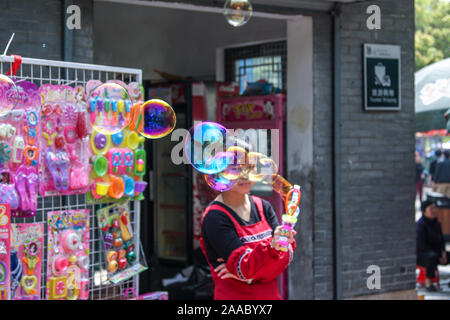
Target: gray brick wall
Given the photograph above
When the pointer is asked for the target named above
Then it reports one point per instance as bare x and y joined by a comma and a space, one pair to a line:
322, 169
377, 167
38, 27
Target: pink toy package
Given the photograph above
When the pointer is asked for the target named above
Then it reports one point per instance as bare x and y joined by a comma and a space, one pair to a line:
5, 257
68, 255
26, 260
63, 141
19, 152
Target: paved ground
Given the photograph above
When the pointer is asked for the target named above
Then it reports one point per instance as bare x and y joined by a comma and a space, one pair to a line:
444, 292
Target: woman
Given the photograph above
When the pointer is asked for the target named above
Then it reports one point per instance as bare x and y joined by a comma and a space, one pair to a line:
240, 236
430, 246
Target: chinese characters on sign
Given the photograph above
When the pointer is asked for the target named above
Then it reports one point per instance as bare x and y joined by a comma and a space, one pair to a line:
381, 77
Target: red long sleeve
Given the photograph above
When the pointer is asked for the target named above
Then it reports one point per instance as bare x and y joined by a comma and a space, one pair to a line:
262, 263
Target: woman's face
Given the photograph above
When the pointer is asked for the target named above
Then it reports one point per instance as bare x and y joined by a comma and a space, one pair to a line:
243, 186
431, 212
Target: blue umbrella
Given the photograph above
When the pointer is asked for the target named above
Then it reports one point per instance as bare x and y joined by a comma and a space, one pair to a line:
432, 100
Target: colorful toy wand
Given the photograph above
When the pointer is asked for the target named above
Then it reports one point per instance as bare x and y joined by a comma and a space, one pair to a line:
291, 204
291, 195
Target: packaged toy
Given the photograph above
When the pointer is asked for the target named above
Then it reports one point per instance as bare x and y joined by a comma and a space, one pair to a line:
26, 260
64, 141
68, 255
120, 123
19, 151
5, 255
121, 250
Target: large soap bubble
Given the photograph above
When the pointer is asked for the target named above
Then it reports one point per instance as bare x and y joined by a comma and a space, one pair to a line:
219, 183
238, 163
109, 107
262, 168
204, 144
8, 95
237, 12
159, 119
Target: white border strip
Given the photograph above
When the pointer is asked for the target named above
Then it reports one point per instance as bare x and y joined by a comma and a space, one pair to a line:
191, 7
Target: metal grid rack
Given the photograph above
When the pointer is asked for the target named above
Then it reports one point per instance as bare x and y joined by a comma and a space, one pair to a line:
40, 72
260, 61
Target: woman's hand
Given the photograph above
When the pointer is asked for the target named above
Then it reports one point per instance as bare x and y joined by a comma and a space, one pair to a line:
276, 238
223, 272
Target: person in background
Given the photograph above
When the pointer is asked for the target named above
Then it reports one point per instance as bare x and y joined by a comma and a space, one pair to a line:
420, 175
438, 158
430, 243
442, 175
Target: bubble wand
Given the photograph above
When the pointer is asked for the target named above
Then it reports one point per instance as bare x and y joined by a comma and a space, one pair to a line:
291, 204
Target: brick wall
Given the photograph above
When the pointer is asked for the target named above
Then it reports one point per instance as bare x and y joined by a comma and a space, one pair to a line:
38, 29
377, 159
322, 154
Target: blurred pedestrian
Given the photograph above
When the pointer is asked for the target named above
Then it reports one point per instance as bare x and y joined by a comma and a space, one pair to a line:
430, 245
437, 158
442, 175
420, 176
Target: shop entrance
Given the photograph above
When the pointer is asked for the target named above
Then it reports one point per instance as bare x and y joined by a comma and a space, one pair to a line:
168, 210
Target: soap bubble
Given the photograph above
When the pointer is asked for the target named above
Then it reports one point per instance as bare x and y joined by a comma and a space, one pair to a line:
238, 163
279, 185
159, 119
262, 167
219, 183
237, 12
8, 95
219, 162
109, 105
204, 142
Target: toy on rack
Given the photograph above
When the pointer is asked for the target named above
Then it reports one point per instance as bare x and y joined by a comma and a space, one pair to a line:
19, 153
68, 255
5, 255
156, 295
26, 260
64, 141
121, 250
230, 159
120, 125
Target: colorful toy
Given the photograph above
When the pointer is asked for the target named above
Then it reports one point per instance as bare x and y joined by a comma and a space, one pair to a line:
5, 252
28, 248
68, 255
121, 259
111, 156
291, 202
63, 141
109, 106
19, 153
156, 295
120, 125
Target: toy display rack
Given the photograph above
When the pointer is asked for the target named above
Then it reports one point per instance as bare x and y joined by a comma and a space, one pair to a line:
42, 71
